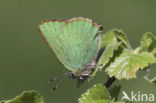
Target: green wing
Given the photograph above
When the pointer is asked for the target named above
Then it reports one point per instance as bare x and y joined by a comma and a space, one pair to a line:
74, 42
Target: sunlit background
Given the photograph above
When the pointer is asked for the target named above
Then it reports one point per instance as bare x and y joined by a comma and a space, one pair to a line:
26, 62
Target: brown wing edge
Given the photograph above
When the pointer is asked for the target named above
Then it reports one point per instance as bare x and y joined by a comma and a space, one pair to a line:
47, 41
75, 19
100, 28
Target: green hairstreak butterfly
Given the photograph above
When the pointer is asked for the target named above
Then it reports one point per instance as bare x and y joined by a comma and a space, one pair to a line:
75, 42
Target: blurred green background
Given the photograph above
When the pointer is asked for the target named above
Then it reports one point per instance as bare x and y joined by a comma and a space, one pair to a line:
26, 62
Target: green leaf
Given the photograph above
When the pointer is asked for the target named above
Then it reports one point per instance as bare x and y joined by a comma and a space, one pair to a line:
113, 101
114, 36
97, 94
110, 41
108, 44
108, 38
148, 43
107, 54
119, 102
154, 80
26, 97
121, 36
127, 64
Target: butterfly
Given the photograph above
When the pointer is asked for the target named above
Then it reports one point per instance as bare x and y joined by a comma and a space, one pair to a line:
75, 43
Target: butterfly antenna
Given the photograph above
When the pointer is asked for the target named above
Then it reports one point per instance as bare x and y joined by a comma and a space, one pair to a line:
59, 83
57, 77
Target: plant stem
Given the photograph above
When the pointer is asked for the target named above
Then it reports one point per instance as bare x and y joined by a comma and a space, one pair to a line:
110, 81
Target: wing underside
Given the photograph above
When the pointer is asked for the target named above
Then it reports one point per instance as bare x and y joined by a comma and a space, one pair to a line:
74, 42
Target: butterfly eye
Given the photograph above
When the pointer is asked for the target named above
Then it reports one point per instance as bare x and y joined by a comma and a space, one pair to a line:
72, 75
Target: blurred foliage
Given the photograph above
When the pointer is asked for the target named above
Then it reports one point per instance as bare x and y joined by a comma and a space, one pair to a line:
148, 43
26, 97
154, 80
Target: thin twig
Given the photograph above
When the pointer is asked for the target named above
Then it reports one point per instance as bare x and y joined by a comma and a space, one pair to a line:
110, 81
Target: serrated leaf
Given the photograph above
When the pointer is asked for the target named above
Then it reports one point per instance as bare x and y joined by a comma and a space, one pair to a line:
110, 41
127, 64
121, 36
107, 54
97, 94
26, 97
113, 36
148, 43
108, 38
